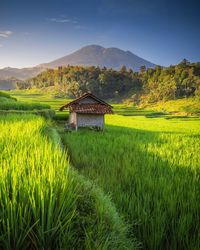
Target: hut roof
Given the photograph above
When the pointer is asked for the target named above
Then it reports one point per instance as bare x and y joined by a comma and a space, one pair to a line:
98, 107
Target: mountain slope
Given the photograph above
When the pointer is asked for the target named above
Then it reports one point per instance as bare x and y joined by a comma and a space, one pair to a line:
21, 74
92, 55
7, 84
95, 55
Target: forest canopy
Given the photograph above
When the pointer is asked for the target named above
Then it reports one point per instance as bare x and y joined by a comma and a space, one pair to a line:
147, 85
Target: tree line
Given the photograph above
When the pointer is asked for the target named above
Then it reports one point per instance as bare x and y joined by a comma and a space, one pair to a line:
147, 85
173, 82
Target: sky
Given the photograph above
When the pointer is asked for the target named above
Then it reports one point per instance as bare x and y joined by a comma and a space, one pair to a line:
34, 32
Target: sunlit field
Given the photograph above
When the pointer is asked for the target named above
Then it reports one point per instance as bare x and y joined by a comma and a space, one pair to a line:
186, 106
146, 161
39, 96
100, 125
150, 167
44, 204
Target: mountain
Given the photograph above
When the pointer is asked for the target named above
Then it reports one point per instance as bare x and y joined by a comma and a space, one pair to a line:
95, 55
92, 55
6, 84
21, 74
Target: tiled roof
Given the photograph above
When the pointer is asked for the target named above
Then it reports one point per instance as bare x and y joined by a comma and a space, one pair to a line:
88, 95
98, 107
90, 108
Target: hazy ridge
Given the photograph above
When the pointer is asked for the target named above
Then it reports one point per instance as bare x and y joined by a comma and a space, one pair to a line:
92, 55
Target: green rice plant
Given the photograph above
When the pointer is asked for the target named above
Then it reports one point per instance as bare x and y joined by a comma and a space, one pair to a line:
8, 103
187, 106
150, 167
5, 95
22, 106
6, 100
46, 113
44, 204
39, 96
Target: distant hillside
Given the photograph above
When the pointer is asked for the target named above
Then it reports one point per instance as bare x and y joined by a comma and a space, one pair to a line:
92, 55
95, 55
21, 74
7, 84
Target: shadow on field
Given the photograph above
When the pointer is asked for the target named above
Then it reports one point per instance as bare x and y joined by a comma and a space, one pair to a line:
151, 188
131, 111
155, 115
184, 118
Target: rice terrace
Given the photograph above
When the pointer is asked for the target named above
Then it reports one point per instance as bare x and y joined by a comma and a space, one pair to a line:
136, 184
99, 125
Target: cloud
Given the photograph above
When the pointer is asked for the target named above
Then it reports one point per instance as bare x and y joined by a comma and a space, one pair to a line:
1, 45
62, 20
74, 22
80, 27
5, 33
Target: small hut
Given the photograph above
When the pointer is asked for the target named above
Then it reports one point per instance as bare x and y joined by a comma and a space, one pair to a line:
87, 111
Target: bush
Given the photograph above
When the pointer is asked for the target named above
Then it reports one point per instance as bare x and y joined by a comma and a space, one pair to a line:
61, 117
46, 113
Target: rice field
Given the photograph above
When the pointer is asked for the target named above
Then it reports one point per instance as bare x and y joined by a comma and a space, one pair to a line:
44, 203
144, 170
185, 106
150, 167
8, 102
46, 97
22, 106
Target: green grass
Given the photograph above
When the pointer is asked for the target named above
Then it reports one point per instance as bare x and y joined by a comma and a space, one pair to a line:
185, 106
6, 98
148, 162
22, 106
6, 95
44, 204
41, 97
8, 102
150, 167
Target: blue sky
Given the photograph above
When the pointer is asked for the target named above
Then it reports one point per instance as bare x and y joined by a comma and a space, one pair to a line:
34, 32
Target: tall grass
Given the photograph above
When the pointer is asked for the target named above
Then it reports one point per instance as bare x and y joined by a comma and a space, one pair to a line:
8, 102
22, 106
42, 96
5, 95
151, 169
187, 106
44, 204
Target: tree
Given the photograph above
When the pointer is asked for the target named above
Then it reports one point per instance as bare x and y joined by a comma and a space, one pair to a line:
123, 69
73, 89
142, 69
184, 63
